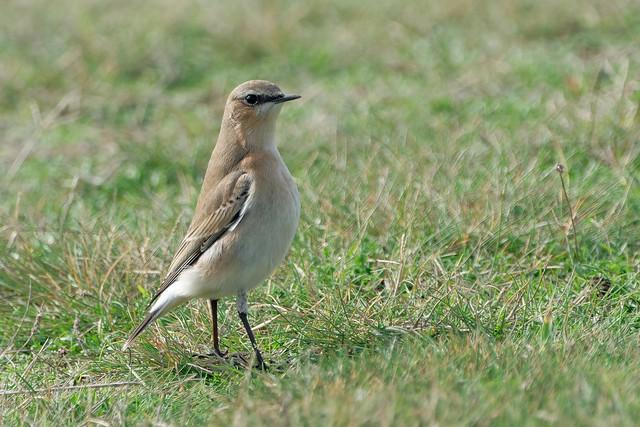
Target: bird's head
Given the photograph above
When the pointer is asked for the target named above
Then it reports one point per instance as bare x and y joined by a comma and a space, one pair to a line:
253, 107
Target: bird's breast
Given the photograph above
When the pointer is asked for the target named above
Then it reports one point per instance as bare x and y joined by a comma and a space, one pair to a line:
276, 214
270, 224
250, 252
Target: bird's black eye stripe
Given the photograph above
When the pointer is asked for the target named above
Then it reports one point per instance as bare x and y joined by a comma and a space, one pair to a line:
252, 99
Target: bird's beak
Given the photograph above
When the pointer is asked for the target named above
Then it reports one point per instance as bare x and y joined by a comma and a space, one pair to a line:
286, 98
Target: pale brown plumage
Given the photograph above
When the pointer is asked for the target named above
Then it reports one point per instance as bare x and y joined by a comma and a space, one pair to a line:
245, 216
218, 212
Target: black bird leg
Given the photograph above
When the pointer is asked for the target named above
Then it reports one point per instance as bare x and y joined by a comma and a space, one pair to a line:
243, 309
214, 321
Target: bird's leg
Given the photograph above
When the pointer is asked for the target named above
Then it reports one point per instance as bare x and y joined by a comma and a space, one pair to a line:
214, 321
243, 310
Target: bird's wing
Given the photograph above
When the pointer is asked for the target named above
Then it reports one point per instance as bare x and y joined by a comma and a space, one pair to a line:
220, 212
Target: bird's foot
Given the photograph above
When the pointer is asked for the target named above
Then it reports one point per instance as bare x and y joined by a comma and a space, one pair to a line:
244, 361
215, 353
221, 354
239, 360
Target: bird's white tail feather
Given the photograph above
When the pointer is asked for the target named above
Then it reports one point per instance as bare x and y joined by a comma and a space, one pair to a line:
156, 311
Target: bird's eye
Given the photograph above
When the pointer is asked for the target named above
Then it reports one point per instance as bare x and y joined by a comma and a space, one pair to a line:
251, 99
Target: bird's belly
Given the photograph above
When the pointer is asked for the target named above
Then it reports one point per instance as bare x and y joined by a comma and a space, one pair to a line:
247, 255
272, 237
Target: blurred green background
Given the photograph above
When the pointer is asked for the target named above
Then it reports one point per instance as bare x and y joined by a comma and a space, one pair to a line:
436, 277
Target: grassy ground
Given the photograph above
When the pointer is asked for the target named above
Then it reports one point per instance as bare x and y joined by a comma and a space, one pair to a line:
435, 277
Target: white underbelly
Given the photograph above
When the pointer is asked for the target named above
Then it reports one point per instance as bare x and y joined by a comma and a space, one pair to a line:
247, 256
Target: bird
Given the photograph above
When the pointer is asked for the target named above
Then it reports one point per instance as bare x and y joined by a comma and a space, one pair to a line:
245, 218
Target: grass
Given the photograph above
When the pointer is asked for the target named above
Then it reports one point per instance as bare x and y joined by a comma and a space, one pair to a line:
434, 278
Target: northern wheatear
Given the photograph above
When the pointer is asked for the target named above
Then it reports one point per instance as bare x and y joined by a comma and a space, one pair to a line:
246, 216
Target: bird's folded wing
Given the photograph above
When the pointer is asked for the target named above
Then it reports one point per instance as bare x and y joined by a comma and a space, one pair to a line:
222, 210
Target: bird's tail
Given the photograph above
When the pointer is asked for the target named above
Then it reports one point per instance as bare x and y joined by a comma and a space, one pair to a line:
153, 315
157, 310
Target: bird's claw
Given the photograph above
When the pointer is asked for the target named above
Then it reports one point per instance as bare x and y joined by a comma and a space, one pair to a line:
216, 352
220, 353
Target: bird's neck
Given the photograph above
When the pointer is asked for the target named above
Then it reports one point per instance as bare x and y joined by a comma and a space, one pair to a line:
233, 144
260, 137
251, 137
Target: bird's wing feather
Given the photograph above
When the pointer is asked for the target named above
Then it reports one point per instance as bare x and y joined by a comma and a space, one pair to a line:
220, 212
